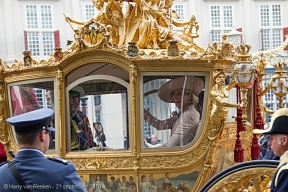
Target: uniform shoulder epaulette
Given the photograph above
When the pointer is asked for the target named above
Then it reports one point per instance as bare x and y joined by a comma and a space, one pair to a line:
282, 168
57, 159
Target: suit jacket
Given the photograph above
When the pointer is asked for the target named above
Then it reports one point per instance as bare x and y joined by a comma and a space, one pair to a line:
41, 174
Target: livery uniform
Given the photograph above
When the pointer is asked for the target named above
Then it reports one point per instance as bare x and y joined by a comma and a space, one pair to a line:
279, 182
30, 170
40, 173
278, 132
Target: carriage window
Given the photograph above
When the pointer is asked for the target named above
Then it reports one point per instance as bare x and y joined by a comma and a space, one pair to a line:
172, 109
31, 96
98, 111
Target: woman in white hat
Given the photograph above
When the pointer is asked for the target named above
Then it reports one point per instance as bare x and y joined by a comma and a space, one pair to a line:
183, 91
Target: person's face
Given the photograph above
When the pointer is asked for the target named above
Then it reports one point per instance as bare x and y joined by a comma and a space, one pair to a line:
98, 177
73, 103
277, 143
123, 178
153, 139
221, 79
177, 98
98, 4
47, 140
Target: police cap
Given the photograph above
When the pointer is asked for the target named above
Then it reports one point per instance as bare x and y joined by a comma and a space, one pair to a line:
278, 125
32, 121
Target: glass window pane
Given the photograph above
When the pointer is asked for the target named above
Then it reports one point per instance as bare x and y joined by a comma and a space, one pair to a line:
31, 96
89, 11
216, 35
215, 16
227, 16
99, 116
276, 12
266, 39
277, 37
265, 18
179, 8
31, 17
33, 43
48, 43
172, 109
46, 16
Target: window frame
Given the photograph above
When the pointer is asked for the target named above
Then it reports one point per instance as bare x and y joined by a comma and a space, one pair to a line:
220, 29
40, 31
85, 12
128, 130
270, 28
202, 123
56, 115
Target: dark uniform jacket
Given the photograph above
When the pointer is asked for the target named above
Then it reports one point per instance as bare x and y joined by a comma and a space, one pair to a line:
41, 174
279, 182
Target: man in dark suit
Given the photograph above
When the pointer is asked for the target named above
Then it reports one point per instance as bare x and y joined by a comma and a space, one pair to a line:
30, 169
278, 132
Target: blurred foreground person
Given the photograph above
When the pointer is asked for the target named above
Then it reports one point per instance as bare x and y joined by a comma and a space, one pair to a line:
30, 170
278, 132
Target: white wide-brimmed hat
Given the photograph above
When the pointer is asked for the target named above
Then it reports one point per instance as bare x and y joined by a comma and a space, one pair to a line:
194, 84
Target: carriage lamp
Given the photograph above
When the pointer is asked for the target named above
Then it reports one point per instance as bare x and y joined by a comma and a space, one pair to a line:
244, 75
234, 37
279, 81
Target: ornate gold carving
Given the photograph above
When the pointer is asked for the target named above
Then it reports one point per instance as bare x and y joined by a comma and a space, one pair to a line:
104, 39
170, 161
147, 24
5, 136
102, 163
3, 139
249, 180
219, 103
133, 79
59, 80
18, 65
58, 54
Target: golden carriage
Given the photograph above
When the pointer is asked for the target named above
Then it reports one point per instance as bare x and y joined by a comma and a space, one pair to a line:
119, 68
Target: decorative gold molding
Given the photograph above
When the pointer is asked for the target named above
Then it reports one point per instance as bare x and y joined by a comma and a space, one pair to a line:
60, 95
241, 180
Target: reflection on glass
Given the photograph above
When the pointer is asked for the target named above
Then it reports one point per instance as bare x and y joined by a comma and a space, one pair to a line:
32, 96
98, 116
81, 134
172, 109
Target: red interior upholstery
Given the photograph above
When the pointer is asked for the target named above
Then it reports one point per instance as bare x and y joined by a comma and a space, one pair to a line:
2, 154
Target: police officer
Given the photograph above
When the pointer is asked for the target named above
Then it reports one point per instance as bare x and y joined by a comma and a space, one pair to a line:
30, 170
278, 132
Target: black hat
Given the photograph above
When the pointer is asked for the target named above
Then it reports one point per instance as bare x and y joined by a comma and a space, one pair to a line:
279, 121
32, 121
76, 91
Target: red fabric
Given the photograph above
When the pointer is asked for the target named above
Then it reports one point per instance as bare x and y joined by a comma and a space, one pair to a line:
3, 157
255, 148
28, 101
285, 32
57, 38
238, 151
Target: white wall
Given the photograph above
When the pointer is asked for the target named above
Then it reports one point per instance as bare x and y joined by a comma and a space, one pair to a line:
246, 15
